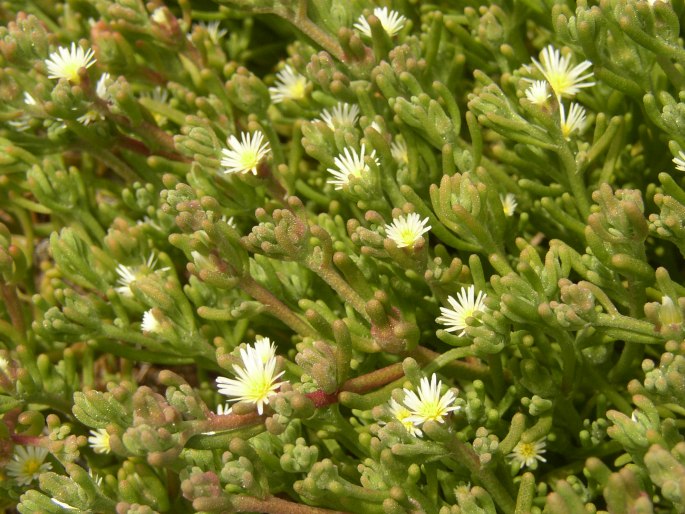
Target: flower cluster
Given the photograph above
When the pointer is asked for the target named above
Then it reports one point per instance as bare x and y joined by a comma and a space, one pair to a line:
565, 81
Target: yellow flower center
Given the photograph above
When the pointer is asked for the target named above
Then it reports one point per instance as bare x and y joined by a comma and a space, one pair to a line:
248, 159
408, 236
527, 450
71, 72
560, 82
31, 466
297, 89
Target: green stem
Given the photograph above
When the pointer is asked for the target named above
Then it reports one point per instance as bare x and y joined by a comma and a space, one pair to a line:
340, 286
274, 505
277, 308
137, 355
607, 389
447, 357
465, 455
575, 179
9, 295
313, 32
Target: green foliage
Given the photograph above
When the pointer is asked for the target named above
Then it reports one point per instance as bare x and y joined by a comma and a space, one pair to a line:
212, 209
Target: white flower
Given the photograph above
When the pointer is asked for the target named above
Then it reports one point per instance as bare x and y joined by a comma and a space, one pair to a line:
564, 79
129, 274
290, 85
159, 16
256, 382
350, 163
99, 441
575, 120
65, 63
509, 203
4, 364
229, 221
223, 409
158, 94
679, 161
89, 117
401, 414
342, 115
28, 99
670, 314
27, 464
405, 231
245, 155
391, 21
150, 323
528, 454
265, 349
399, 151
213, 31
101, 87
537, 92
429, 404
466, 306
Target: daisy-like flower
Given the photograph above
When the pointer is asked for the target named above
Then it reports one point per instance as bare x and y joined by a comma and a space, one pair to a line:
391, 21
564, 79
290, 85
575, 120
402, 414
129, 274
265, 348
256, 382
244, 155
509, 203
342, 115
466, 306
27, 464
350, 163
528, 454
399, 151
429, 404
99, 441
405, 231
679, 161
212, 28
537, 93
65, 63
150, 323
